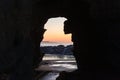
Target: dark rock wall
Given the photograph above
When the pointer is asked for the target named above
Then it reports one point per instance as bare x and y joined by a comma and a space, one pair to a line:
16, 50
96, 28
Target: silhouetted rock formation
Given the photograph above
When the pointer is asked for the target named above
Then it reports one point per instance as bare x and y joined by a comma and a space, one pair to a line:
96, 35
60, 49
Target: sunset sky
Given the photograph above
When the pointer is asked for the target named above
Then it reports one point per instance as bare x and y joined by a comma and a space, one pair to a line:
55, 32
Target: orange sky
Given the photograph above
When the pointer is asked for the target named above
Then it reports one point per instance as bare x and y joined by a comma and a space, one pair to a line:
55, 32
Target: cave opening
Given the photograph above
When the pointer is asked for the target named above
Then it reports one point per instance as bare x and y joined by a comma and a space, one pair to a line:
57, 48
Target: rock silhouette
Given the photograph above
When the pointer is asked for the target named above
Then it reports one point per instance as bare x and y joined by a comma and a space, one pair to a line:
60, 49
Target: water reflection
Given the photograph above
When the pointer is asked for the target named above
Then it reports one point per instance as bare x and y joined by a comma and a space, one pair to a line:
67, 66
55, 64
65, 61
58, 63
58, 57
50, 76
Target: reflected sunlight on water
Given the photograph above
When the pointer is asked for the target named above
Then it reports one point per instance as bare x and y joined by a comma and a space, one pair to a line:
58, 57
55, 64
58, 63
50, 76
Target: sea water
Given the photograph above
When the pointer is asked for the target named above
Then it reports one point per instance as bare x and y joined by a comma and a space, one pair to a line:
54, 44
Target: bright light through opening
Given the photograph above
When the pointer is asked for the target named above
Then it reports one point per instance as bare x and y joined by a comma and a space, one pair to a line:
55, 31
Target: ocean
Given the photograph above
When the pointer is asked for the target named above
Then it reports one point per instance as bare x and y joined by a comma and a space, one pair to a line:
54, 44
